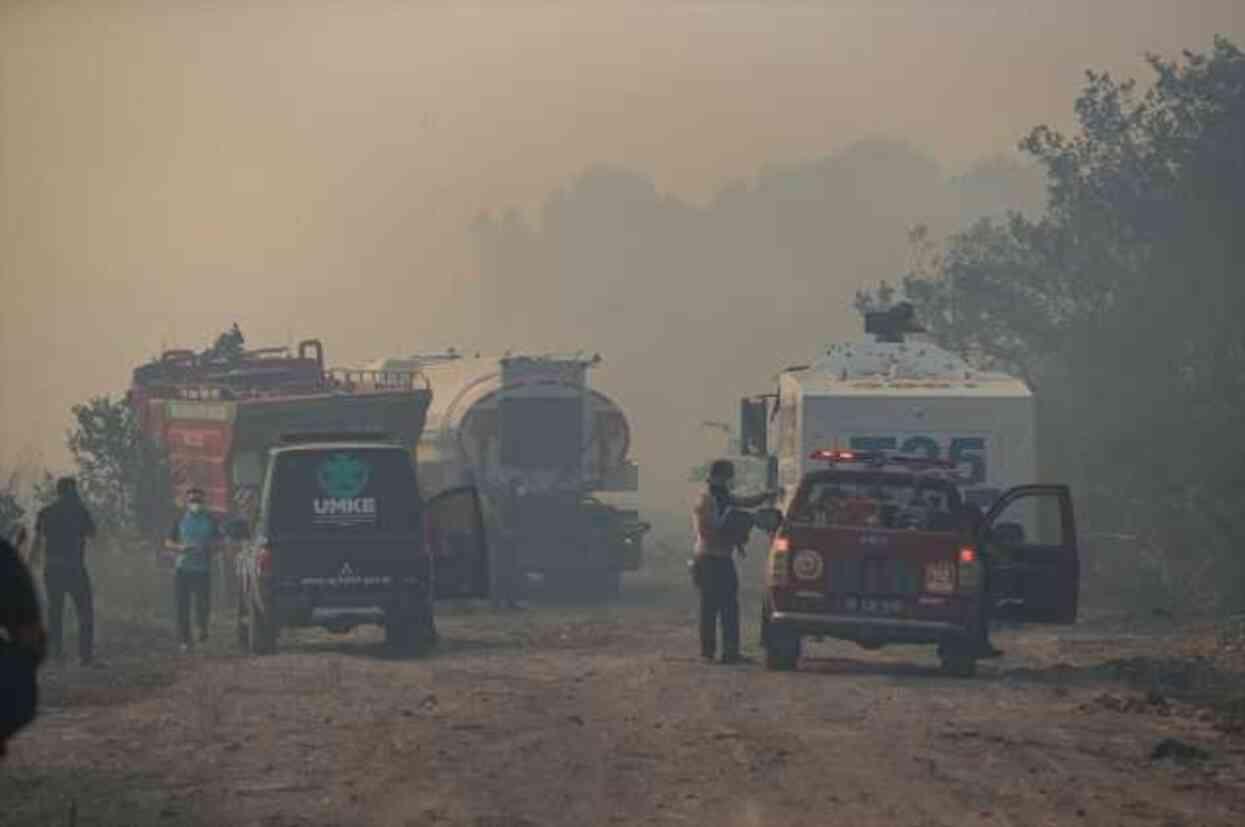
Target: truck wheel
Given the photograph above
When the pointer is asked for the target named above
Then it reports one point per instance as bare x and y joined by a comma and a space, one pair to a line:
609, 584
957, 662
261, 633
782, 649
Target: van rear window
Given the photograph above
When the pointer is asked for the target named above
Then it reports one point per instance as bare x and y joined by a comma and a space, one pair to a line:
352, 490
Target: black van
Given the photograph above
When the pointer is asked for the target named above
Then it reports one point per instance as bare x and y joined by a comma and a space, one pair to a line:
342, 538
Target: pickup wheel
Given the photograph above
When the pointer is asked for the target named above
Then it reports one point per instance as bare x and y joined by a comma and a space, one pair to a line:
261, 633
782, 648
957, 662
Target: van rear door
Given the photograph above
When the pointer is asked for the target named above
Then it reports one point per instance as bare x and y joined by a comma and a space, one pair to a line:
346, 519
1029, 538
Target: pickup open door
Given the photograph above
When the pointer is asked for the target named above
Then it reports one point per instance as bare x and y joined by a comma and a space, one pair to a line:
1029, 544
454, 527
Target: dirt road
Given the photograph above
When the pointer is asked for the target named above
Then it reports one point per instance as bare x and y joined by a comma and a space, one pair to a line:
604, 716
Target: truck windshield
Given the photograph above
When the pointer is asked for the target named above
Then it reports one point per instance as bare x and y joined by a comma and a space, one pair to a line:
877, 501
354, 490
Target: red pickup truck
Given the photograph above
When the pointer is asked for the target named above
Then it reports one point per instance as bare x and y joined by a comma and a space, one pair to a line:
880, 548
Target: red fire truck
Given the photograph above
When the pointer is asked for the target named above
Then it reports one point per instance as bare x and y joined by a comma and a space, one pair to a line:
215, 417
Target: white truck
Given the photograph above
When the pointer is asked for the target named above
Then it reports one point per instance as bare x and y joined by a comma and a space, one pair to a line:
892, 394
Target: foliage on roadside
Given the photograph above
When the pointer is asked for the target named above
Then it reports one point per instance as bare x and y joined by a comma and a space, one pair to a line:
1120, 306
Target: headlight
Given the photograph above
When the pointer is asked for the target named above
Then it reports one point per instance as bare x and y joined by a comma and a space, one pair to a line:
807, 564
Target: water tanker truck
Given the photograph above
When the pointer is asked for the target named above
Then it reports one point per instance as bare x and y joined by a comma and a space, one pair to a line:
543, 447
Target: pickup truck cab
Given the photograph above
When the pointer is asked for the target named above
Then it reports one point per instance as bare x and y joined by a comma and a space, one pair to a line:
881, 549
342, 538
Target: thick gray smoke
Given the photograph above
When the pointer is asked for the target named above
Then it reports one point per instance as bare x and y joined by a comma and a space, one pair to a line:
695, 306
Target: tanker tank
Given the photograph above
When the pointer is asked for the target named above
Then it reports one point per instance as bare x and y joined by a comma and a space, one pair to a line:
543, 447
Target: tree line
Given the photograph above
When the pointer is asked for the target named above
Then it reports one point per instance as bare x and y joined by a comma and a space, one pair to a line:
1121, 304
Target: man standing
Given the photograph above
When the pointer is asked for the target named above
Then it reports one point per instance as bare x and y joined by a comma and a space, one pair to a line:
22, 644
194, 537
714, 564
61, 532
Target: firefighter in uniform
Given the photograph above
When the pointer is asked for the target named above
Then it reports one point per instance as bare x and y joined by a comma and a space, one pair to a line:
713, 564
61, 532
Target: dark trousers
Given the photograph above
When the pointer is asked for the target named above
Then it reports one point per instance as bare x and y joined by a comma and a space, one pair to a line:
196, 585
76, 583
719, 598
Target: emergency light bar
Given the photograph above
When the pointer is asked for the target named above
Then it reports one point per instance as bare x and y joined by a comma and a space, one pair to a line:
878, 458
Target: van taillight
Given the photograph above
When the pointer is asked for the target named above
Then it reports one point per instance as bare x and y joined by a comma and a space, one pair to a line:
263, 559
779, 561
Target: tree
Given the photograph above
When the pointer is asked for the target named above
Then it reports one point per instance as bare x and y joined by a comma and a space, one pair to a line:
120, 473
1120, 306
11, 511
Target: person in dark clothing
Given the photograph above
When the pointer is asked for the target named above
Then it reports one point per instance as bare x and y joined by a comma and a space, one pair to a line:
194, 537
974, 519
23, 644
61, 532
507, 579
715, 521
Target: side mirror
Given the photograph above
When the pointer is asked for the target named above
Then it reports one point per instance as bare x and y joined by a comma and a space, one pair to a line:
768, 519
238, 530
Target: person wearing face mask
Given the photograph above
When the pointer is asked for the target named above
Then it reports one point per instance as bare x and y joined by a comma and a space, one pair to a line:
61, 532
194, 537
713, 564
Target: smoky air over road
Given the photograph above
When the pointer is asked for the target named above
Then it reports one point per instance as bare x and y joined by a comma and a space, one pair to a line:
347, 173
989, 573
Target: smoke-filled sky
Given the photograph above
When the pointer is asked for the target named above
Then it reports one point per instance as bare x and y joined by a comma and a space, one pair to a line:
311, 168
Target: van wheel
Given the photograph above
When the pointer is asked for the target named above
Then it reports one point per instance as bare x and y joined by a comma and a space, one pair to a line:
244, 631
957, 662
782, 649
411, 633
261, 633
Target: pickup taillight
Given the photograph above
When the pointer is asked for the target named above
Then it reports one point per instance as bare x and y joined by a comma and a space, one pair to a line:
969, 570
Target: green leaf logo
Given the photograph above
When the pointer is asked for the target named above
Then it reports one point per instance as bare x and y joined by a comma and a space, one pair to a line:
342, 476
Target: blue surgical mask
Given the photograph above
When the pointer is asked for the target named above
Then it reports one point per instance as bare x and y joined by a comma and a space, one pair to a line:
196, 508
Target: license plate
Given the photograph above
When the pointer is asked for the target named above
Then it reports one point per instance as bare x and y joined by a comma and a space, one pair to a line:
873, 605
939, 578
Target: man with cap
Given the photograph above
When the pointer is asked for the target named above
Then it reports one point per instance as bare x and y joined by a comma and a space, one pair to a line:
61, 532
713, 562
194, 538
